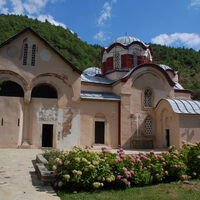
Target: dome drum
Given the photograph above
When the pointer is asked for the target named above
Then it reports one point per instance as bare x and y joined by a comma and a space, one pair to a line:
125, 52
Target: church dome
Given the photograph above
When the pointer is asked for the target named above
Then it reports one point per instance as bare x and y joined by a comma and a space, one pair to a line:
126, 40
92, 71
125, 53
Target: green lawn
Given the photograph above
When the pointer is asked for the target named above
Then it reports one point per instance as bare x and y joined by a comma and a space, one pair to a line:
171, 191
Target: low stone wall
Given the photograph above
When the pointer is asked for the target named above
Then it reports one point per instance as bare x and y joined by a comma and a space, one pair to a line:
46, 177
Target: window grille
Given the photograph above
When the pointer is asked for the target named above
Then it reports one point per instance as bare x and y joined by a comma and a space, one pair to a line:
148, 98
25, 54
117, 61
33, 55
148, 126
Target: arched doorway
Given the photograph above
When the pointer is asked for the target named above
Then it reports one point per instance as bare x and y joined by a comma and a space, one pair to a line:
11, 89
44, 91
11, 115
44, 101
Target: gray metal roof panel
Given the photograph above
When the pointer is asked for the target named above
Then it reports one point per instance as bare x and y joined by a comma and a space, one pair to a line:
92, 71
165, 67
99, 95
183, 106
96, 79
178, 86
126, 40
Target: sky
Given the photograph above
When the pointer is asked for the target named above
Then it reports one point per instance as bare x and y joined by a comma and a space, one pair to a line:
167, 22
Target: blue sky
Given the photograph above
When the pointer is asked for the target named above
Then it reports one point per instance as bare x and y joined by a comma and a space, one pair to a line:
167, 22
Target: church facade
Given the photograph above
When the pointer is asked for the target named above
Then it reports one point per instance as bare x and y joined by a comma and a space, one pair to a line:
130, 102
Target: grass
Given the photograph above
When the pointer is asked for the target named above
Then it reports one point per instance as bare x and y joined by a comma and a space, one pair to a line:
169, 191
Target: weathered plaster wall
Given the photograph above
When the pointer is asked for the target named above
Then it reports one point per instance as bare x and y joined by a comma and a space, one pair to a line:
190, 128
11, 121
93, 110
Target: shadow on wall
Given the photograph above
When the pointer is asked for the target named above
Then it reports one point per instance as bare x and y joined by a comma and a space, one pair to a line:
139, 140
188, 134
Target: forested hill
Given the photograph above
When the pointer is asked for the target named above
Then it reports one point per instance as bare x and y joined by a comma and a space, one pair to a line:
83, 55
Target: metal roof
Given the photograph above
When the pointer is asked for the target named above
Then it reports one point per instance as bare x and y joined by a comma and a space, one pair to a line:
99, 95
178, 86
92, 71
126, 40
182, 106
96, 79
165, 67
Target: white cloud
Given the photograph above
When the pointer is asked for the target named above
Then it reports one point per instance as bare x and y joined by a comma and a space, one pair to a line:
190, 40
104, 16
51, 20
101, 36
17, 7
29, 6
195, 3
32, 8
106, 12
3, 9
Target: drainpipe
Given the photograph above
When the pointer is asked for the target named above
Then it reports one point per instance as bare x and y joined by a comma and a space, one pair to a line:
119, 123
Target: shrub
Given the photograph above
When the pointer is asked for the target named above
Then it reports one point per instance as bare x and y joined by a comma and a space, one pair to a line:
83, 169
192, 155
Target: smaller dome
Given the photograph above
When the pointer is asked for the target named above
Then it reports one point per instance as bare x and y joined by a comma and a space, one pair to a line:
92, 71
165, 67
126, 40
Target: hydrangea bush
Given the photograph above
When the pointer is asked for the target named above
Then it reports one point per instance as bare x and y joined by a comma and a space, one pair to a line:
83, 169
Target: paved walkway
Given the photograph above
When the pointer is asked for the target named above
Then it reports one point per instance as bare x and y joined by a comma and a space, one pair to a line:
18, 180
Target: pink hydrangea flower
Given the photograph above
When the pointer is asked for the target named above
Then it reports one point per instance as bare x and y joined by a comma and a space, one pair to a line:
116, 160
118, 177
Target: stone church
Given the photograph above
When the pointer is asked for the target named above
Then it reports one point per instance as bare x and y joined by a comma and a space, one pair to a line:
131, 102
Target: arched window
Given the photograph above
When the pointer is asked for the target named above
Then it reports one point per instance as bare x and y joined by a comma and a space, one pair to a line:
44, 91
148, 126
148, 98
25, 54
33, 55
117, 63
11, 89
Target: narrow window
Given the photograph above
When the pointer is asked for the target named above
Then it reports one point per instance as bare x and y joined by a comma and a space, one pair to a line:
18, 122
33, 55
148, 126
25, 54
117, 61
148, 96
1, 121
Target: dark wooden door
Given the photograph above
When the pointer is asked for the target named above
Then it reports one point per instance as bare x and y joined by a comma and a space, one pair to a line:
99, 132
47, 135
168, 137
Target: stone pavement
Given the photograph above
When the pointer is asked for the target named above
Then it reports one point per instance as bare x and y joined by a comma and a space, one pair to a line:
18, 180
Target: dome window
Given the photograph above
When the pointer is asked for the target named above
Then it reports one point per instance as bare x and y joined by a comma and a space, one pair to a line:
148, 98
117, 63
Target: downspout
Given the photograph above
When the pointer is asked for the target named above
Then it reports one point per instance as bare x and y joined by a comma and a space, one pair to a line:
119, 124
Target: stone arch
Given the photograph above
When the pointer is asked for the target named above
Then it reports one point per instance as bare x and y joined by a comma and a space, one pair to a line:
11, 89
63, 78
41, 78
164, 117
138, 75
44, 90
7, 75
